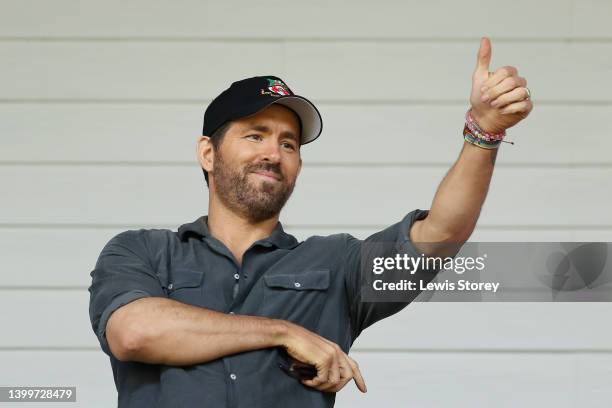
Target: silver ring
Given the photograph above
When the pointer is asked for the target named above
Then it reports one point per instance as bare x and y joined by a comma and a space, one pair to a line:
528, 93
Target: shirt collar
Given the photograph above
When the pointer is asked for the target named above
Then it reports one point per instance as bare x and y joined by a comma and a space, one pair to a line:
199, 227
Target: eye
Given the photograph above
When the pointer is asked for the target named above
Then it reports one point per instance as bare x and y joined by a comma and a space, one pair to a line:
289, 145
253, 137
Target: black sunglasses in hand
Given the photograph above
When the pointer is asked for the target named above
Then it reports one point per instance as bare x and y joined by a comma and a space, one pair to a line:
295, 368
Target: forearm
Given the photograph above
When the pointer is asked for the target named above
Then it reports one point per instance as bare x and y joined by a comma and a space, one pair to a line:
163, 331
457, 203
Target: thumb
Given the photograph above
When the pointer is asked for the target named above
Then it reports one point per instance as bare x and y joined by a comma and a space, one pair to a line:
484, 57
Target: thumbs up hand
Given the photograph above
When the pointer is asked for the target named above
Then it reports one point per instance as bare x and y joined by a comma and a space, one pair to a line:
499, 99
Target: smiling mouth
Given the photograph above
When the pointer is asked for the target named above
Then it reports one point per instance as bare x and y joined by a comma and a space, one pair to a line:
267, 175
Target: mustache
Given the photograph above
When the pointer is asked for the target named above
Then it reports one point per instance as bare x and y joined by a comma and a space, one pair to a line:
272, 167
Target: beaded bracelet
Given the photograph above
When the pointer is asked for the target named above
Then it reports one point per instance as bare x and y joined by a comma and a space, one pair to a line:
480, 142
473, 126
474, 134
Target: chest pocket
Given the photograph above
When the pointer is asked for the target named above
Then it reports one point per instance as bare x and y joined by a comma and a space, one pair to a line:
185, 285
298, 298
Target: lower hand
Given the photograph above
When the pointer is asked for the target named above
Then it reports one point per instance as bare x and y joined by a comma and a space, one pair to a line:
334, 367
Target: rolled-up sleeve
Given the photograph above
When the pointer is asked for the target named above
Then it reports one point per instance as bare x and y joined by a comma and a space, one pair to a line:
394, 239
123, 273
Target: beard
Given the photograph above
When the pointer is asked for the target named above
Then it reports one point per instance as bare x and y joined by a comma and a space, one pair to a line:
254, 200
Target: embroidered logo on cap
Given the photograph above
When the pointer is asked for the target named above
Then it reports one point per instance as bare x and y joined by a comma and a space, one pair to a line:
276, 88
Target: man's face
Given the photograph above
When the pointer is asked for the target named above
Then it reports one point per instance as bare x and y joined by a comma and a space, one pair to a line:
257, 163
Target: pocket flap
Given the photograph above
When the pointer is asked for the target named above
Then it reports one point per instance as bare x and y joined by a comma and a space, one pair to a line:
186, 278
316, 279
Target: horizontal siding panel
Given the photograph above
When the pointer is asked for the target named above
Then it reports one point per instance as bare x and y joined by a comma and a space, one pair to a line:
170, 195
69, 194
277, 18
101, 132
476, 381
63, 257
47, 318
88, 371
363, 133
362, 71
130, 70
58, 257
593, 372
431, 326
527, 326
393, 379
591, 19
433, 71
433, 134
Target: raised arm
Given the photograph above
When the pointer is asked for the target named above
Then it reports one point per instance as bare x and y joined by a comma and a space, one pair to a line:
499, 101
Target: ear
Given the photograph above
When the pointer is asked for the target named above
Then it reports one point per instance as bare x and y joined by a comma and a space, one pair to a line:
205, 153
299, 168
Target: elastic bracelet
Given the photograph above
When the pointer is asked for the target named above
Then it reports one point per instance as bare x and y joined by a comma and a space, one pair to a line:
476, 130
485, 144
476, 136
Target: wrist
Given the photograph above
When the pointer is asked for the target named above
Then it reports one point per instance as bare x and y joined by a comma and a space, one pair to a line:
281, 332
484, 124
474, 134
478, 139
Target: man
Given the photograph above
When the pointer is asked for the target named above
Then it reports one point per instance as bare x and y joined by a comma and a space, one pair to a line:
231, 311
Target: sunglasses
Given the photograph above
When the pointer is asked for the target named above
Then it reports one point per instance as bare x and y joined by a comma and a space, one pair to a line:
295, 368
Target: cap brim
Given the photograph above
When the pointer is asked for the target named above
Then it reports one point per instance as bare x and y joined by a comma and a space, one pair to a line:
312, 124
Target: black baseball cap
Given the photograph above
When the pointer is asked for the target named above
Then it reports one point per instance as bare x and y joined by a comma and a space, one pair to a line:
249, 96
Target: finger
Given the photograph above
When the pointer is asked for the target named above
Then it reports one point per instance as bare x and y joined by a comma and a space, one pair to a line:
515, 95
503, 87
346, 374
327, 368
322, 375
484, 57
315, 382
508, 93
499, 75
507, 85
334, 371
329, 387
517, 107
357, 376
339, 363
336, 387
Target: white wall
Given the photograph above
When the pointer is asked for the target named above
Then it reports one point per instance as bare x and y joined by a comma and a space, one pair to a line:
101, 104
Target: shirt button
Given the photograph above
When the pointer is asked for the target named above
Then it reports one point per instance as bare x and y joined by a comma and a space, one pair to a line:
236, 276
297, 284
233, 376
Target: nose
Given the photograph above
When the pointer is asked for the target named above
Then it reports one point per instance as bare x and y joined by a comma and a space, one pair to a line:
270, 151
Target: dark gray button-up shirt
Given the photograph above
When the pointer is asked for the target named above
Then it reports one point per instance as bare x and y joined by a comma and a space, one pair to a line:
315, 283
